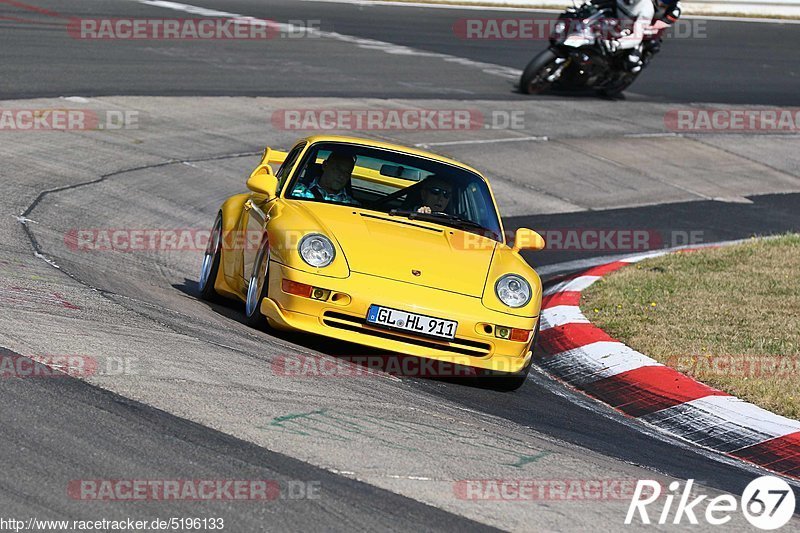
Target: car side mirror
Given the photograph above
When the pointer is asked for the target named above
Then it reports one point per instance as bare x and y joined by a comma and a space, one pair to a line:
263, 180
527, 239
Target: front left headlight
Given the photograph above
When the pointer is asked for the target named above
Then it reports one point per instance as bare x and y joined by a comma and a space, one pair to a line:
317, 250
513, 290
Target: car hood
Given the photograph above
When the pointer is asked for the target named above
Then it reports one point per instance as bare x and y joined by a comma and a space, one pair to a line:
406, 250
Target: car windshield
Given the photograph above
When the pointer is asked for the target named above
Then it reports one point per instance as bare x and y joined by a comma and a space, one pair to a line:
396, 183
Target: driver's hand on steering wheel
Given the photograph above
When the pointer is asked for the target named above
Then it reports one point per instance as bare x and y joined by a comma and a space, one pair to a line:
424, 209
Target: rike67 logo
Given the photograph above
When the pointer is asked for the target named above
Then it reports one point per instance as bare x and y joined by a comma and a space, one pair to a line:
767, 502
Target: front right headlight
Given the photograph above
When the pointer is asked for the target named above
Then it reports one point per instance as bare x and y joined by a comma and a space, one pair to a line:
317, 250
559, 30
513, 290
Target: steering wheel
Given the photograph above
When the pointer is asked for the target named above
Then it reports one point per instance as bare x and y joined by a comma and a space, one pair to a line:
395, 195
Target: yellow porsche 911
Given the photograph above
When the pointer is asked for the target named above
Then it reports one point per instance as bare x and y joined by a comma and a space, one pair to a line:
381, 245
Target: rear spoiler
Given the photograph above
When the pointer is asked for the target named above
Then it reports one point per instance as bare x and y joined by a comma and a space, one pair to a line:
273, 158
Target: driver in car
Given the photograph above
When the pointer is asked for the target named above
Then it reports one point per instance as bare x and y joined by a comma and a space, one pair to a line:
435, 195
331, 185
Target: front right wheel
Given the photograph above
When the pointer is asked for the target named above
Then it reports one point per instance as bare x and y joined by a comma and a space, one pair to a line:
211, 258
258, 287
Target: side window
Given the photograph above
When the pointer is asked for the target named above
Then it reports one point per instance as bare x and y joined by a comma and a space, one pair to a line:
288, 163
476, 203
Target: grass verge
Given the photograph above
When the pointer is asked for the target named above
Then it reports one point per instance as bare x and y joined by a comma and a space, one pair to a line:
729, 317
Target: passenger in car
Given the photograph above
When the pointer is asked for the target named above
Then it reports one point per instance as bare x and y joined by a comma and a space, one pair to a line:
435, 195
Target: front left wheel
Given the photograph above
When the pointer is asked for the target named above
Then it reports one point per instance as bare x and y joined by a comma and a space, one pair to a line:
507, 382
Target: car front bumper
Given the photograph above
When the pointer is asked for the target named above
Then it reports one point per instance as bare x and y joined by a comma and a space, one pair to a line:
342, 316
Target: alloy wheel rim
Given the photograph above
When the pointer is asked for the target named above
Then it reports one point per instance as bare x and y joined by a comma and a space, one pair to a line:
208, 257
255, 287
251, 296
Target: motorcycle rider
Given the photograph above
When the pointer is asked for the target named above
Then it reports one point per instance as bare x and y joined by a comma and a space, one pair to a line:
638, 40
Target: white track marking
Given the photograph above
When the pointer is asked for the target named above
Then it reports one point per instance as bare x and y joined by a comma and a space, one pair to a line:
370, 44
722, 423
560, 315
651, 135
575, 284
647, 255
748, 415
482, 141
595, 361
733, 199
23, 219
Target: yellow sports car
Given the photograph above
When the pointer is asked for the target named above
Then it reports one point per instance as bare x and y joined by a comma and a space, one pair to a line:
380, 245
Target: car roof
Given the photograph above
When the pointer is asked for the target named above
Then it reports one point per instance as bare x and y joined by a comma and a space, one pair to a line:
390, 146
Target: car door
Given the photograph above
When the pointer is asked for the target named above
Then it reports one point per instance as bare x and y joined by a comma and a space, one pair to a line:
255, 216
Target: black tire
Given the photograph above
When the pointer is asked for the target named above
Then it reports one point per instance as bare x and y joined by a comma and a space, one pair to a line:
533, 77
259, 285
616, 89
211, 259
507, 382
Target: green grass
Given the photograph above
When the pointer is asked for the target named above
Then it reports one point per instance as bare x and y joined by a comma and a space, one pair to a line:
729, 316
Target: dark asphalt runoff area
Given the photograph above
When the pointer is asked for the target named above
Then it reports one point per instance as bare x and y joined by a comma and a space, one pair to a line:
39, 58
61, 431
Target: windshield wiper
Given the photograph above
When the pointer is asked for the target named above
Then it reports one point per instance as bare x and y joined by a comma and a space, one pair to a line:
443, 218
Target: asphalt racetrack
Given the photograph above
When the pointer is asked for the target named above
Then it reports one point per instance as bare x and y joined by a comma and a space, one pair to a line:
200, 397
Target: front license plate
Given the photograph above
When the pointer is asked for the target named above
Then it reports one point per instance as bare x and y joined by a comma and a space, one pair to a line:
412, 322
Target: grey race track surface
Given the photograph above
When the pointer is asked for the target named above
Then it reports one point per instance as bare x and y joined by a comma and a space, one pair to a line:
415, 438
209, 397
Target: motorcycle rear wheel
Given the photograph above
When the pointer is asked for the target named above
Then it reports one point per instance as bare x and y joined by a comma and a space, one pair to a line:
616, 89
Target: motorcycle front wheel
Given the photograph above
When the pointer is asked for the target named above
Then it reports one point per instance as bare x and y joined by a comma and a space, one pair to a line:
534, 77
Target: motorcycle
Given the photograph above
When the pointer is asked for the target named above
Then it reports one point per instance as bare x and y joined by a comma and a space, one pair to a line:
584, 52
